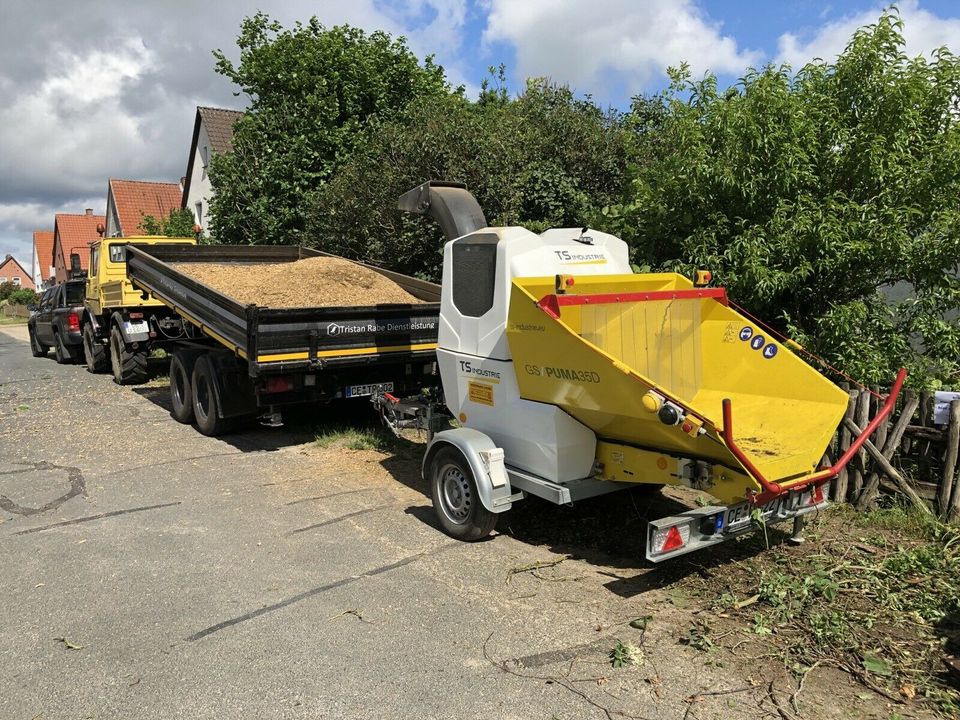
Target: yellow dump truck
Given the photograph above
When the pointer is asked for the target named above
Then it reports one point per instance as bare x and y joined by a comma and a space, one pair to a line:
571, 376
121, 322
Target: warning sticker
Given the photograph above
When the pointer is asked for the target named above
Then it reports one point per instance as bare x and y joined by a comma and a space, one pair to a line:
770, 351
746, 333
480, 393
758, 342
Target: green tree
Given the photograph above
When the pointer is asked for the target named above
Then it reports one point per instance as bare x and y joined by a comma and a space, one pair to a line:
543, 159
313, 92
815, 197
179, 223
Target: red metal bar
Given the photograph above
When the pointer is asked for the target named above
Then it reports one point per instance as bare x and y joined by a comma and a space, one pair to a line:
551, 303
772, 489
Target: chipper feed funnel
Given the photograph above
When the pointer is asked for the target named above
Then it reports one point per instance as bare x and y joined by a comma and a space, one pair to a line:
647, 361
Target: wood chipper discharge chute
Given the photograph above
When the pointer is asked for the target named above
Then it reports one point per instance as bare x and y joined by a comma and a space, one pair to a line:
647, 361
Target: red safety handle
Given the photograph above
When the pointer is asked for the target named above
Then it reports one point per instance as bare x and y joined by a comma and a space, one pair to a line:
773, 489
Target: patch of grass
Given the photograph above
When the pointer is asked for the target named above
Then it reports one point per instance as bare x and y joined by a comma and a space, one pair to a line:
4, 320
877, 594
354, 438
625, 654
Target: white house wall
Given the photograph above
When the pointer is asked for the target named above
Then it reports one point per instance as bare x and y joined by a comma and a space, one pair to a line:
200, 188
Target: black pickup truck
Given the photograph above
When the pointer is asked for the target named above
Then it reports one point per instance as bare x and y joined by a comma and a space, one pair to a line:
56, 322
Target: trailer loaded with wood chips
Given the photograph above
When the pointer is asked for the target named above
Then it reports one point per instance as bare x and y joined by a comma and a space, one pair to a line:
333, 328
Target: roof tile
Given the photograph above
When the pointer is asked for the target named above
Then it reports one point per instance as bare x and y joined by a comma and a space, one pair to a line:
219, 123
75, 233
134, 199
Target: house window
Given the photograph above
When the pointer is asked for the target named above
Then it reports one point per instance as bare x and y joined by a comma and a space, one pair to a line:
2, 280
204, 155
199, 213
16, 280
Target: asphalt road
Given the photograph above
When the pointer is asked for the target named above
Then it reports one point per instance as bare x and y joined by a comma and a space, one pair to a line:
151, 572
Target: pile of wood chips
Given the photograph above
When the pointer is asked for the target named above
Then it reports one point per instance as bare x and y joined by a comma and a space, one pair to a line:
312, 282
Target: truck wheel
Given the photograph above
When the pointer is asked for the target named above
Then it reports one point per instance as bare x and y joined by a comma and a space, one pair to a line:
181, 386
129, 366
455, 498
206, 407
36, 349
94, 353
61, 352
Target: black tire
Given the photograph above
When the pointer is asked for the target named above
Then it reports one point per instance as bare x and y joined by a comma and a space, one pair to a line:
455, 498
206, 406
36, 348
129, 366
63, 354
94, 353
181, 385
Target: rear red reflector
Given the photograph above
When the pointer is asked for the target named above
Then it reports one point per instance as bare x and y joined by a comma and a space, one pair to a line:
673, 540
278, 385
73, 321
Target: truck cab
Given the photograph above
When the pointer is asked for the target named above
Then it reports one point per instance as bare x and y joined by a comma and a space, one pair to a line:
120, 323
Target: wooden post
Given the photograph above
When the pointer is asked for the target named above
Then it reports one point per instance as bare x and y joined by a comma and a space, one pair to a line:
910, 405
840, 489
890, 470
861, 418
949, 459
872, 483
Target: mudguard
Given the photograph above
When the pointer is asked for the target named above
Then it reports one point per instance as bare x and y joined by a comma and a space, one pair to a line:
485, 460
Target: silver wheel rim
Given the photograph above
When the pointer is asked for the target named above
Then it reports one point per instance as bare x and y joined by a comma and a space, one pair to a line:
456, 495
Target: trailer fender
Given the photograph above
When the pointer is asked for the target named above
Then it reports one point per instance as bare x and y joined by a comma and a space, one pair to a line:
236, 395
485, 460
119, 319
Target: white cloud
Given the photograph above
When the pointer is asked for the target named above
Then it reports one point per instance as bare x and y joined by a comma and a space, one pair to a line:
584, 43
923, 32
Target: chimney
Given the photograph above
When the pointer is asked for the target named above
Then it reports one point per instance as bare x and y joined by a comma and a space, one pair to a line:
89, 211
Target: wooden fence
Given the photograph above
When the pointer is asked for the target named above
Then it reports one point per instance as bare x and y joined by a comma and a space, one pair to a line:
908, 454
15, 311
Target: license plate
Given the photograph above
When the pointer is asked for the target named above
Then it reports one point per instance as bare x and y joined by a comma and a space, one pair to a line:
738, 516
365, 390
133, 327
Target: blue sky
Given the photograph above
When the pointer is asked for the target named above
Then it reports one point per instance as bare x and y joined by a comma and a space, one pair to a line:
95, 89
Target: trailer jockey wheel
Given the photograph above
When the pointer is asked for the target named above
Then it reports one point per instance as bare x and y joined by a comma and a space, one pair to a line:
455, 498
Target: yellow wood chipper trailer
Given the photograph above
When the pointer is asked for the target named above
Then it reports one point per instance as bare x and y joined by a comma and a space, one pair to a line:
571, 376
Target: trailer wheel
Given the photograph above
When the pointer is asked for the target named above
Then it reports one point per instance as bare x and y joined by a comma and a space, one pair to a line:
36, 349
181, 386
129, 366
455, 498
94, 353
206, 407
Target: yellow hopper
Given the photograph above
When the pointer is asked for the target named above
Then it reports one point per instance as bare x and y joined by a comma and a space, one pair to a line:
648, 361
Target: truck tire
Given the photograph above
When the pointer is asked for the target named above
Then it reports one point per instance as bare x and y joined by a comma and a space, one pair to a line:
62, 354
181, 385
455, 499
94, 353
129, 366
36, 349
206, 405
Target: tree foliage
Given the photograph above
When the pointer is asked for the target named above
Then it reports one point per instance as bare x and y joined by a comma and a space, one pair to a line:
817, 198
16, 294
179, 223
543, 159
313, 92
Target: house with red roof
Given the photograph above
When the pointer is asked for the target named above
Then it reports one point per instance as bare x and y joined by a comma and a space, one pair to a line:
13, 271
42, 261
212, 135
129, 201
73, 234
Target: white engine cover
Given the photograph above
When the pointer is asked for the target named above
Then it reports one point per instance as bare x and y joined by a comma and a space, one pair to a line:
539, 438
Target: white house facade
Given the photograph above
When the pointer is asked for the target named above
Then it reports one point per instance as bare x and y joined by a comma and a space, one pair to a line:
212, 135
